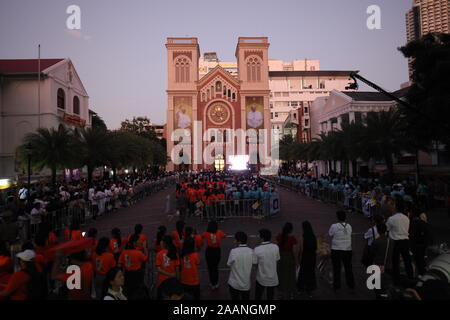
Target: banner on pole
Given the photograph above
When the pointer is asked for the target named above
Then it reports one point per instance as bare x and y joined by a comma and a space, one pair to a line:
274, 205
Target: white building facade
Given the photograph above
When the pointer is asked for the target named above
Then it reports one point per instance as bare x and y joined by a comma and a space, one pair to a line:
63, 100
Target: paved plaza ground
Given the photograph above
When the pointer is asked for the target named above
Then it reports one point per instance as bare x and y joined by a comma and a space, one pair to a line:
295, 208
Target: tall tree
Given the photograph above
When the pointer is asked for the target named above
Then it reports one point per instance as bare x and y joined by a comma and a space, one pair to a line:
98, 123
384, 137
140, 126
430, 90
50, 148
93, 148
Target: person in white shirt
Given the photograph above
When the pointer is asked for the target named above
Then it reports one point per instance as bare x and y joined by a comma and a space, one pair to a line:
36, 214
266, 256
101, 198
94, 201
341, 251
240, 261
254, 118
398, 228
64, 194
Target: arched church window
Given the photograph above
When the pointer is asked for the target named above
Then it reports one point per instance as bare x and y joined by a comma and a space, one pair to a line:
61, 97
182, 69
253, 69
218, 86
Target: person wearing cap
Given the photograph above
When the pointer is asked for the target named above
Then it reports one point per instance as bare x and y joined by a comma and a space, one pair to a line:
25, 283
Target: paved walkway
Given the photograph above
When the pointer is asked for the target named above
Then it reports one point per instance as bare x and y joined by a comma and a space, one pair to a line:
295, 208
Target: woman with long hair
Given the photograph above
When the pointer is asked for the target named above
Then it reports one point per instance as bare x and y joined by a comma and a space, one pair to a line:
132, 260
104, 261
157, 246
167, 263
117, 243
213, 236
307, 251
179, 234
141, 237
288, 261
189, 268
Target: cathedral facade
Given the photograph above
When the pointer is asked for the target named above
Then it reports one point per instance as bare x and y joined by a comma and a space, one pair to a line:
210, 110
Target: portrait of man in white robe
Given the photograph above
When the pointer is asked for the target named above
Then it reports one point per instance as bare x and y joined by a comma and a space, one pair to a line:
183, 119
255, 118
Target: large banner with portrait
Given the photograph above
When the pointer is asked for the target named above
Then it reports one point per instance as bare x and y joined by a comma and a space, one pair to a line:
182, 109
254, 110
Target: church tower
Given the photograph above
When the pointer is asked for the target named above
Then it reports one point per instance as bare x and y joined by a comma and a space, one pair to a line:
182, 63
253, 73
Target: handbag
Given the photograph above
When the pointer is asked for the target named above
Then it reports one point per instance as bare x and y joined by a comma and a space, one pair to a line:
367, 256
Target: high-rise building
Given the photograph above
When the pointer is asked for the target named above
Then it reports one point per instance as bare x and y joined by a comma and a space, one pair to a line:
427, 16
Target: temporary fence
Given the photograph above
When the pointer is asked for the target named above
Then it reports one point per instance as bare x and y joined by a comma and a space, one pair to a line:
243, 208
358, 202
83, 211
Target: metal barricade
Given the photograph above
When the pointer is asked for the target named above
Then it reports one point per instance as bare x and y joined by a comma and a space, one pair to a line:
243, 208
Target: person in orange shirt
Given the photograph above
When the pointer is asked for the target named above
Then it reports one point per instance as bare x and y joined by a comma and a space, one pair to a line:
86, 272
6, 266
198, 240
211, 204
52, 240
39, 259
142, 242
189, 269
27, 283
213, 236
192, 195
117, 243
74, 233
132, 260
157, 246
104, 261
5, 259
220, 203
167, 263
179, 234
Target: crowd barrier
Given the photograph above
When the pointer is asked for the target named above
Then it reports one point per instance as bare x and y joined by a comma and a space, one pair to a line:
83, 211
225, 209
357, 202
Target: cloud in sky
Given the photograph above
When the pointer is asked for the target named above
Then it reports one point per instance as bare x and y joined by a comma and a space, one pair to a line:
78, 34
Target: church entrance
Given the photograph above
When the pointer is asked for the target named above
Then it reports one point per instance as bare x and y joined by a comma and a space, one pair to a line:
219, 162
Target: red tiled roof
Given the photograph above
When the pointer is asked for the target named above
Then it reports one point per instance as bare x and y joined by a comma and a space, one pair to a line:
25, 65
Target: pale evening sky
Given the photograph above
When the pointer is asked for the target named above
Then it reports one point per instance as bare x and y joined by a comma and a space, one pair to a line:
121, 58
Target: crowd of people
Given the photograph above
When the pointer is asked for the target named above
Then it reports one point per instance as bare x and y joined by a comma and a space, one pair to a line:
373, 193
118, 267
77, 198
214, 195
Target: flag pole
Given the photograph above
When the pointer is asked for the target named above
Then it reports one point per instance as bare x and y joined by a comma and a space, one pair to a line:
39, 86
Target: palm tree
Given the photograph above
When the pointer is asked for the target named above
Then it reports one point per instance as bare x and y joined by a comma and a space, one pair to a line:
93, 148
50, 148
350, 136
384, 137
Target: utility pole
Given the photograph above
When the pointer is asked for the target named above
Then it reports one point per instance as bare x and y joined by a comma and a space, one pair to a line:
39, 86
